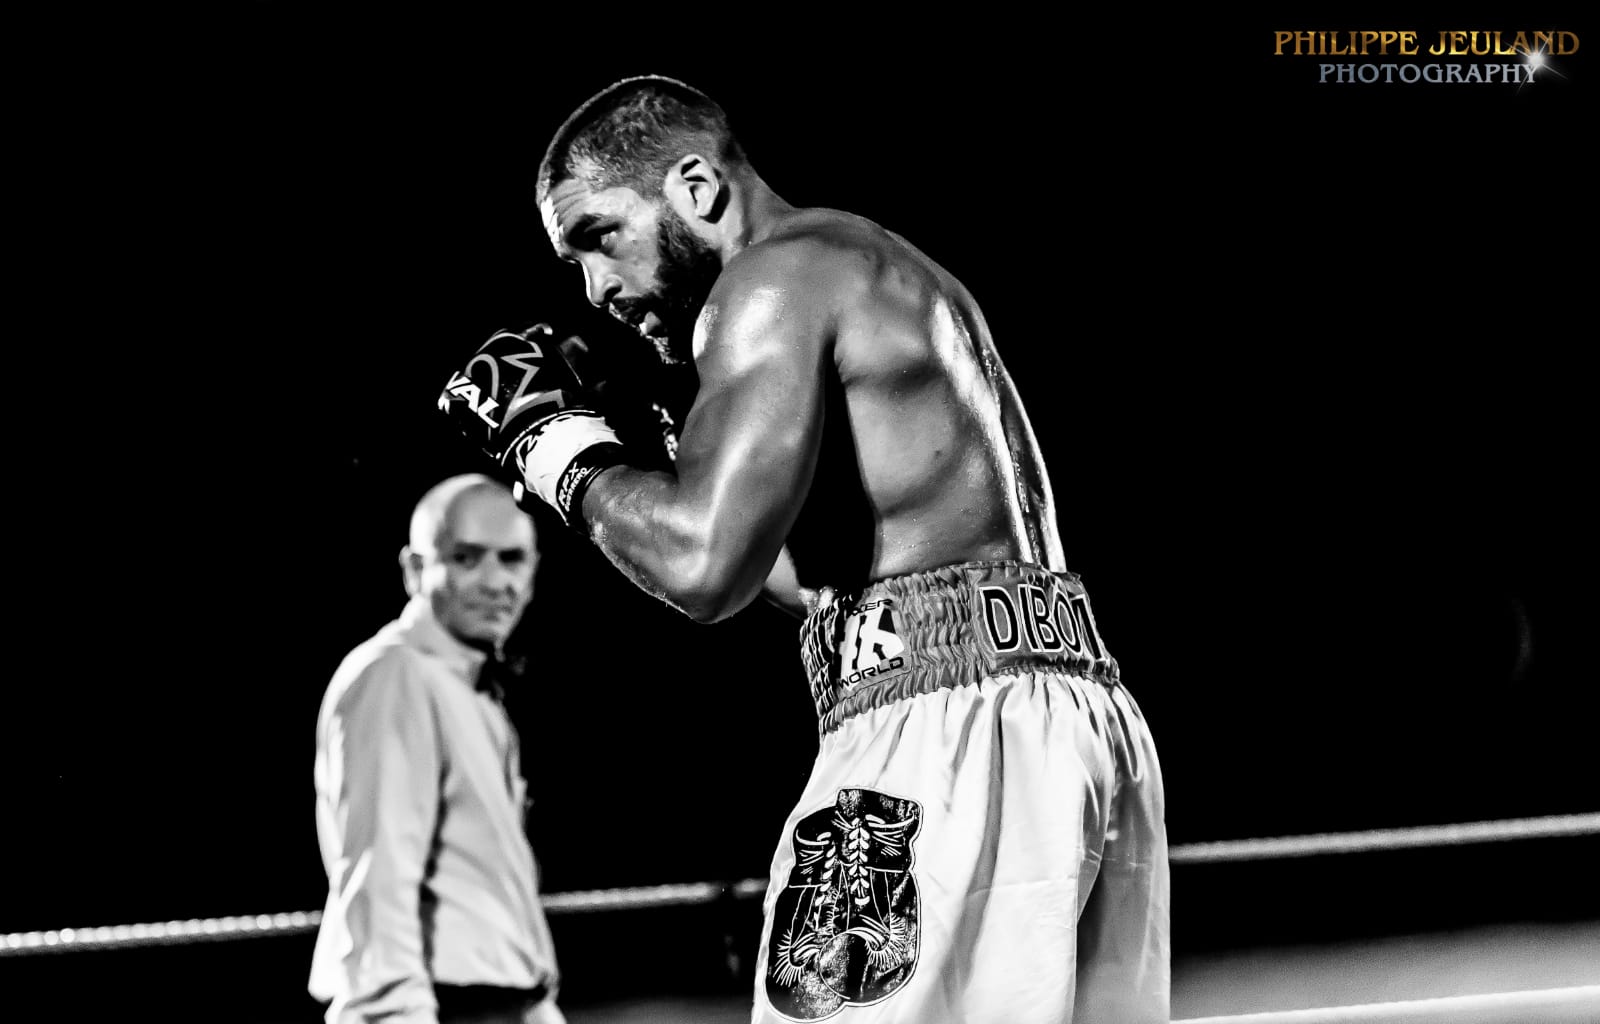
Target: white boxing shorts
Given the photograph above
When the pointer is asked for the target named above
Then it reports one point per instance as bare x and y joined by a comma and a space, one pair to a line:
981, 840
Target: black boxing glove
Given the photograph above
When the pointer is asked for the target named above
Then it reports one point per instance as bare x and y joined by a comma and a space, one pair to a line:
521, 402
637, 398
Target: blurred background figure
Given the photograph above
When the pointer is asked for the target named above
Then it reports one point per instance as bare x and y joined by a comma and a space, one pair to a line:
432, 912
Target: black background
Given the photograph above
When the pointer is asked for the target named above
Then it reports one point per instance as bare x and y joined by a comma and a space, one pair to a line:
1304, 361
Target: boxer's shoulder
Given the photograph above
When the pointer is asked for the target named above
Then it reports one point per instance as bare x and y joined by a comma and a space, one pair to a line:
813, 267
772, 295
823, 252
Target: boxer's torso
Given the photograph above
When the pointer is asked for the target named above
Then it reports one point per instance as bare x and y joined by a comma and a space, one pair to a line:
927, 458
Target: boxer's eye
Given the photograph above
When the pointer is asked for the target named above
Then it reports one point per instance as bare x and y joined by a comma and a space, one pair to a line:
591, 234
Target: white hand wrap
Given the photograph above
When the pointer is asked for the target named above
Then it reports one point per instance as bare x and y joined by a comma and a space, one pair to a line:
552, 448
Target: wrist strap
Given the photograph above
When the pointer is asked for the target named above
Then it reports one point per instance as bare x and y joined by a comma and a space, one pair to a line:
543, 456
577, 477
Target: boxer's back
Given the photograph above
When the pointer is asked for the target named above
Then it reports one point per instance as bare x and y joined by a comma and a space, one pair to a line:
927, 457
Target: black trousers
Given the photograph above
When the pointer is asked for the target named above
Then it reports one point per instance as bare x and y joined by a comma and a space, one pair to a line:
485, 1004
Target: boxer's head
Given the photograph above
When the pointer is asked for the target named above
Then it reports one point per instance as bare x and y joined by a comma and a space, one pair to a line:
633, 189
472, 554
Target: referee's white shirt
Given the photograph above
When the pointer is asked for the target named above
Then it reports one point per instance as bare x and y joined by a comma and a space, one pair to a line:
420, 806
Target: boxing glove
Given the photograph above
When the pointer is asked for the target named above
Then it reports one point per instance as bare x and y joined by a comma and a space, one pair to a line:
637, 396
520, 401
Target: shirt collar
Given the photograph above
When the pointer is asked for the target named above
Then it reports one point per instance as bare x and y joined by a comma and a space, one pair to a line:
424, 632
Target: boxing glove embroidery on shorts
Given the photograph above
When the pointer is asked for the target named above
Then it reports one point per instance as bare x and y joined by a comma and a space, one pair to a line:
845, 929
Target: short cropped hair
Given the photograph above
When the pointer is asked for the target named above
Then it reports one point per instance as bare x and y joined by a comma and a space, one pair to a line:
632, 132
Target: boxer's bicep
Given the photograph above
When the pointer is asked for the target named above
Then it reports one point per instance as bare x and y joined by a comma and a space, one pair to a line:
705, 537
750, 443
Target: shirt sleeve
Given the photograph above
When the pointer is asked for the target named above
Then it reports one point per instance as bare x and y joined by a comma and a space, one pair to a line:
384, 744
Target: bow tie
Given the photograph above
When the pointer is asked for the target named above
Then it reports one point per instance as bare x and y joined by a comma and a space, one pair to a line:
497, 673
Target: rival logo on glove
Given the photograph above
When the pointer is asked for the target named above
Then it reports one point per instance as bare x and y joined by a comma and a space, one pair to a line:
482, 402
461, 387
536, 383
535, 419
531, 360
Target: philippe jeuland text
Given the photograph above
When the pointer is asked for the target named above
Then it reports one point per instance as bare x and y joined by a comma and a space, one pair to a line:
1527, 50
1370, 43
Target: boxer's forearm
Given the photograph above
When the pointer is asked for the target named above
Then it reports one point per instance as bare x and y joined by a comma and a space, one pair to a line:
692, 552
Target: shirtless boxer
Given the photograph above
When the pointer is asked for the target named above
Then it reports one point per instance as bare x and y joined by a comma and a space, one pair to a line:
981, 840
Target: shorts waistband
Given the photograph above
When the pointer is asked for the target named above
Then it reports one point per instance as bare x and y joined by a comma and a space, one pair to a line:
947, 627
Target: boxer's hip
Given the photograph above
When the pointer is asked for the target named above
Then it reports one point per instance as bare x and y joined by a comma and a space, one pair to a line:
948, 627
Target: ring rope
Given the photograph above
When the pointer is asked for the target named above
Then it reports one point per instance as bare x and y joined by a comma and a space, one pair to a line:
1234, 851
1578, 1005
688, 894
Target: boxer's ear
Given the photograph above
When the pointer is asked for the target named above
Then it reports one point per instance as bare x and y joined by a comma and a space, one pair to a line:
696, 189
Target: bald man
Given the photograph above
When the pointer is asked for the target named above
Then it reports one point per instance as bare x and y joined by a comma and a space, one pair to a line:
433, 914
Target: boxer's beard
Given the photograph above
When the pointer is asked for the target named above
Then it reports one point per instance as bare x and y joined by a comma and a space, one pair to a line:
687, 269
